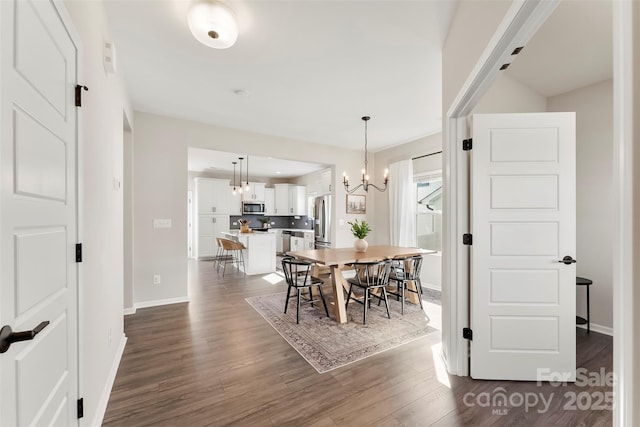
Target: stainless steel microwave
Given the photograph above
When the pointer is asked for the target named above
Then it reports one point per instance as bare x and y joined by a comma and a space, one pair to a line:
252, 208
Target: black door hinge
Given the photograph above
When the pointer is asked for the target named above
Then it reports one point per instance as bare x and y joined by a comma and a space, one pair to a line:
81, 407
467, 239
79, 94
78, 252
467, 334
467, 144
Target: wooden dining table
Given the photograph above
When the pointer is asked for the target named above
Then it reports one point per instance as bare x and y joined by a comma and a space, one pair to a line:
338, 258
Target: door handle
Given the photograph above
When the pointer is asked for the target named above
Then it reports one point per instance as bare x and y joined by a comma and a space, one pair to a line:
568, 260
8, 337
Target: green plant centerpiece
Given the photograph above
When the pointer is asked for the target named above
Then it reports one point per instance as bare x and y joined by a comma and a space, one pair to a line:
265, 221
360, 230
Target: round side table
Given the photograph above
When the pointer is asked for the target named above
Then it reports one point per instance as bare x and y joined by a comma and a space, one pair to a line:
581, 281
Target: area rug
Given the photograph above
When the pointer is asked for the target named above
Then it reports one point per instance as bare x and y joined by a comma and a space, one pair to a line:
328, 345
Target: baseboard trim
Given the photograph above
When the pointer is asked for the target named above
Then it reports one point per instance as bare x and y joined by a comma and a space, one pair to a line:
129, 311
158, 302
106, 392
599, 328
432, 286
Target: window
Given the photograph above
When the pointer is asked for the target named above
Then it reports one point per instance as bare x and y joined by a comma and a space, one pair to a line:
429, 211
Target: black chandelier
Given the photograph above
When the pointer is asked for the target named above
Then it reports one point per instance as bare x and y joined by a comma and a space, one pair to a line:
365, 171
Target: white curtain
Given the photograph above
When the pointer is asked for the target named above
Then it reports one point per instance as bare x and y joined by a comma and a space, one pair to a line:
402, 204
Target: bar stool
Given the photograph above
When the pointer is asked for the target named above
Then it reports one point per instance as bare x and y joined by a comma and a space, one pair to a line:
581, 281
232, 252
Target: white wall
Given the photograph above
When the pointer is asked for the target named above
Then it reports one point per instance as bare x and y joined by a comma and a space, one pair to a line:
101, 212
635, 115
594, 194
161, 181
508, 95
473, 25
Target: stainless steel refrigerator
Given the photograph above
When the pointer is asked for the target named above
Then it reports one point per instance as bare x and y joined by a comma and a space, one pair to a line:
322, 221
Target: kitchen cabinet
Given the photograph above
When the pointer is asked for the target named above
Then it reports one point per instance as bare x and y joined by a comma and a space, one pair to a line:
297, 200
309, 240
235, 202
255, 194
260, 252
269, 201
213, 205
326, 184
282, 199
212, 196
208, 227
278, 241
297, 244
290, 200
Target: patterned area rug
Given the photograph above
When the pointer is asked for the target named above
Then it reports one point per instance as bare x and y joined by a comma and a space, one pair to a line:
328, 345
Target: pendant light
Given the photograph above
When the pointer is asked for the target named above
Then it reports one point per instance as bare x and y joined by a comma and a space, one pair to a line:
247, 187
234, 177
365, 171
240, 180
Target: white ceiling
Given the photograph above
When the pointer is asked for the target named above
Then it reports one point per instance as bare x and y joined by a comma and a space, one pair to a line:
264, 167
310, 68
572, 49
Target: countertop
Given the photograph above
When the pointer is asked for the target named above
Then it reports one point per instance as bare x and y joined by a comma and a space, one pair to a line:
272, 230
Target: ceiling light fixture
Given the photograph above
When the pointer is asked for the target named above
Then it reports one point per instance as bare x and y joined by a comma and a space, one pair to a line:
247, 187
240, 180
365, 171
234, 177
213, 24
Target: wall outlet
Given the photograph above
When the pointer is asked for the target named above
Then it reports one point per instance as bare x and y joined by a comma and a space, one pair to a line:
156, 279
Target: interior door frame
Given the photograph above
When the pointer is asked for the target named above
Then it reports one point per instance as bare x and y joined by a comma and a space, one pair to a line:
81, 318
520, 23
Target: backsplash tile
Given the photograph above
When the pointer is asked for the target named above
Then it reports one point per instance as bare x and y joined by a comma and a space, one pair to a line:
298, 222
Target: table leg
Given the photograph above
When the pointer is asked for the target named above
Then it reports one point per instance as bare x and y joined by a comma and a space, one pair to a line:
413, 298
339, 284
588, 314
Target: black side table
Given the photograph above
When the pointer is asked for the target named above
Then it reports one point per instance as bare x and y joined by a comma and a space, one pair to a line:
581, 281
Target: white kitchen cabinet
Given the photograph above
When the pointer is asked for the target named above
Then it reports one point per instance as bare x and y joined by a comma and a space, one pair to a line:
297, 200
290, 200
278, 241
208, 227
297, 244
326, 184
282, 199
260, 255
309, 240
269, 201
212, 196
235, 202
256, 192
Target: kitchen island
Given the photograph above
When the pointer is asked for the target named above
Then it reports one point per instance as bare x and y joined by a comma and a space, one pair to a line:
260, 255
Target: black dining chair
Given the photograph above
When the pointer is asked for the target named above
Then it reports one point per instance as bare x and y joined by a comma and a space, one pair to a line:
404, 271
297, 273
370, 276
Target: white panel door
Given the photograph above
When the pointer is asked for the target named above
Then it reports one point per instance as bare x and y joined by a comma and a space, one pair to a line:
39, 377
523, 223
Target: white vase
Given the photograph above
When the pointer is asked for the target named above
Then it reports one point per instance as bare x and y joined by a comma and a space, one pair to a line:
360, 245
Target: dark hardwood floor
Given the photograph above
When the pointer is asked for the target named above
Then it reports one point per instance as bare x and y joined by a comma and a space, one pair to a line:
215, 361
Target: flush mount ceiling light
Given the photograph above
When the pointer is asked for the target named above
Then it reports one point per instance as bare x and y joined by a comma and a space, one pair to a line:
365, 171
212, 24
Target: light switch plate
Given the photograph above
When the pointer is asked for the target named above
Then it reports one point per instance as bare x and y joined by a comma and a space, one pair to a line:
161, 223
